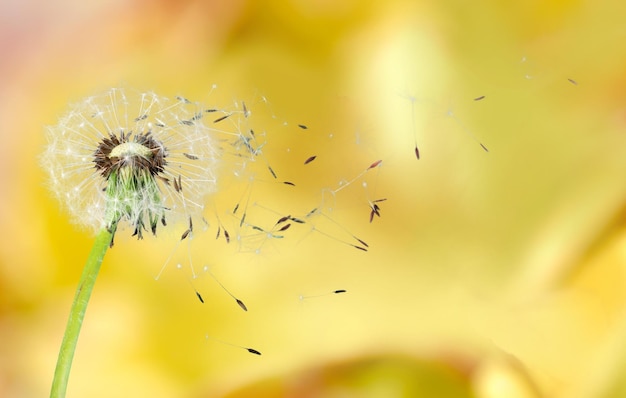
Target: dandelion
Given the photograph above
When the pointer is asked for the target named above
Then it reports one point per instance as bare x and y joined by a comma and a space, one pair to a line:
133, 157
119, 158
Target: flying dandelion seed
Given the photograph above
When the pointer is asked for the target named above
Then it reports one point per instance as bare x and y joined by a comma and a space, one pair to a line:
130, 156
338, 291
250, 350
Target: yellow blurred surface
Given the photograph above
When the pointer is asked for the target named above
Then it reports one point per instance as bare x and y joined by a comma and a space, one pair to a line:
488, 274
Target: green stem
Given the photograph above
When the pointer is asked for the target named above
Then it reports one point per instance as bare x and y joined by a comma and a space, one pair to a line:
77, 313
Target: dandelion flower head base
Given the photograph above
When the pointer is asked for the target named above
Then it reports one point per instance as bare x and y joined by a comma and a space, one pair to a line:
131, 156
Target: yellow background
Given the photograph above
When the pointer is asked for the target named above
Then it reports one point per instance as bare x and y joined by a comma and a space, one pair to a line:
495, 274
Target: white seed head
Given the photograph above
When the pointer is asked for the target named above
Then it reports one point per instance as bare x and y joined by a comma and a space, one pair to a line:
130, 156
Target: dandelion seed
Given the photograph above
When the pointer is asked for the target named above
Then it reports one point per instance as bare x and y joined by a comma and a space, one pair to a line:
302, 126
283, 219
361, 174
479, 98
316, 211
246, 194
188, 231
219, 119
375, 164
250, 350
112, 157
412, 99
190, 157
450, 113
338, 291
199, 297
310, 159
362, 242
238, 301
246, 113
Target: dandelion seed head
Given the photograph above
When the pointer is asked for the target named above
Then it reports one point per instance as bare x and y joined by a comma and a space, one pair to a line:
131, 157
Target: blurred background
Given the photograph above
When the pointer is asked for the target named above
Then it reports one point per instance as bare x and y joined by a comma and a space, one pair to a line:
488, 274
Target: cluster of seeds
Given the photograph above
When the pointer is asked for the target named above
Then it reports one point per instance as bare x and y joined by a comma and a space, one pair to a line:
133, 157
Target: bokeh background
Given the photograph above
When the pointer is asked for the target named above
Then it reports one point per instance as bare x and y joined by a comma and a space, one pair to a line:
498, 274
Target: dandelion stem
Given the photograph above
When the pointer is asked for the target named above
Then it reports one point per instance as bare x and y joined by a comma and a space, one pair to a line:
77, 313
